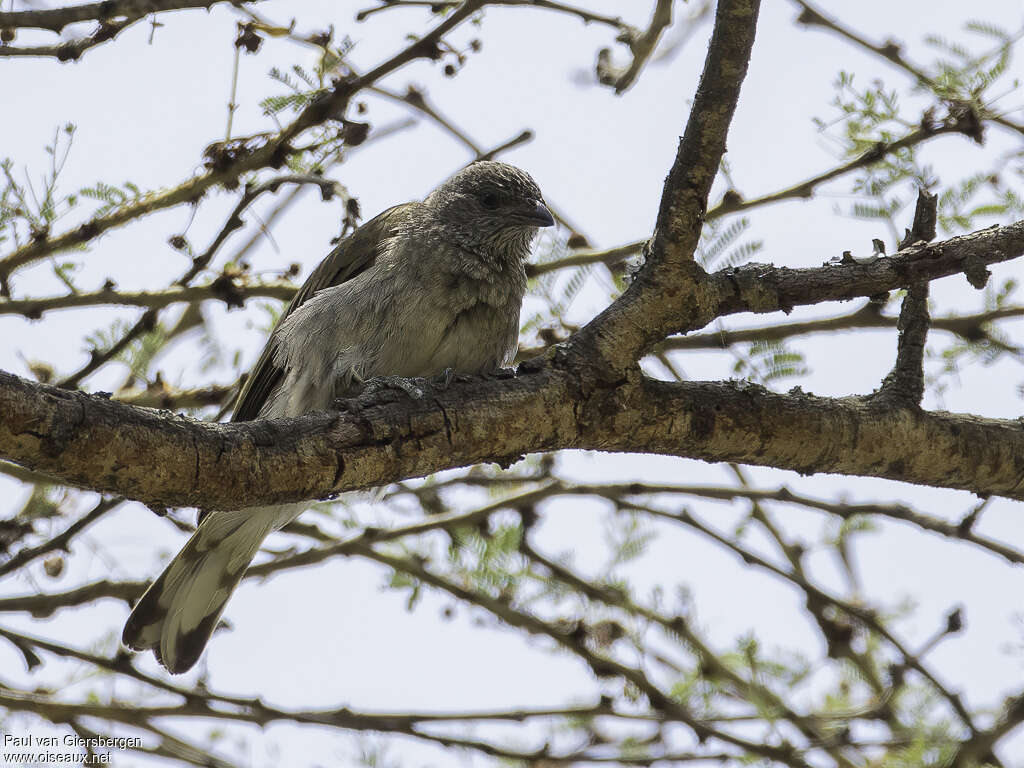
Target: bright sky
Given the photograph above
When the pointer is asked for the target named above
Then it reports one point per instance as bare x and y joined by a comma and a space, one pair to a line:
330, 636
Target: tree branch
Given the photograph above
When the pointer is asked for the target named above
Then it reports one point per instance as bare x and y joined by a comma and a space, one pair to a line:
70, 50
905, 382
691, 303
609, 257
556, 402
890, 50
97, 359
956, 122
224, 289
968, 327
641, 46
55, 19
620, 334
61, 541
159, 395
242, 156
585, 16
574, 642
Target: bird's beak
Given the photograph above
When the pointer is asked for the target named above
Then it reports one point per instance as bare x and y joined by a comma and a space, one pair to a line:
540, 216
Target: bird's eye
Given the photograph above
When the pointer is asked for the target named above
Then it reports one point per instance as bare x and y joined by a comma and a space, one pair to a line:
490, 201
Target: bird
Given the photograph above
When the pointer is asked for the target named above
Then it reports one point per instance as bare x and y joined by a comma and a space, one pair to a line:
422, 289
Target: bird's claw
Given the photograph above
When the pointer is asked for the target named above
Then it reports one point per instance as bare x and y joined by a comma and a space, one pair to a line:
444, 379
502, 373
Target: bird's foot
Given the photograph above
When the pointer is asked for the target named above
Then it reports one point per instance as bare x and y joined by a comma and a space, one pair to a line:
382, 383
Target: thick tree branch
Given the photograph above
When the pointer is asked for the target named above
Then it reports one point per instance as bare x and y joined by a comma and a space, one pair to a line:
620, 334
173, 461
557, 402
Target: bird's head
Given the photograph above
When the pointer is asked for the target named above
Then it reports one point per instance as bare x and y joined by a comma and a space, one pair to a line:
491, 205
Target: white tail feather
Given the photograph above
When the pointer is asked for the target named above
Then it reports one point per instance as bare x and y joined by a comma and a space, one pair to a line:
178, 613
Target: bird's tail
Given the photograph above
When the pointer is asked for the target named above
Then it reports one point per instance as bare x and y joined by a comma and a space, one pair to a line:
178, 613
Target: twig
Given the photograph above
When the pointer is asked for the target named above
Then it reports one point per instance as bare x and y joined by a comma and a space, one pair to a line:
609, 257
24, 556
161, 396
328, 189
224, 285
641, 46
522, 138
226, 289
585, 16
71, 50
97, 359
261, 152
55, 19
891, 51
954, 123
289, 198
575, 642
981, 745
969, 327
854, 611
750, 690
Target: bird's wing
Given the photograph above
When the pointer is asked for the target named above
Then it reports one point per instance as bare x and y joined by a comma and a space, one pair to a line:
352, 255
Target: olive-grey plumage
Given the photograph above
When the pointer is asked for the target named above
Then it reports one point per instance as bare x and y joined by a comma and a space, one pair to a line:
420, 288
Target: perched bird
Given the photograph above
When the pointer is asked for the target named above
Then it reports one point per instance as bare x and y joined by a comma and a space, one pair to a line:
422, 288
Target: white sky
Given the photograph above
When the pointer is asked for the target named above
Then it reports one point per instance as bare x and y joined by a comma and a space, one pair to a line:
330, 636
